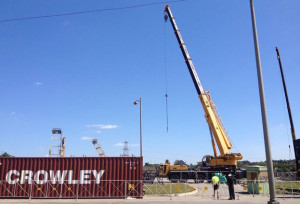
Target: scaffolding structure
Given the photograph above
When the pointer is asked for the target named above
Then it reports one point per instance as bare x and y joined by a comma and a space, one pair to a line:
125, 150
57, 146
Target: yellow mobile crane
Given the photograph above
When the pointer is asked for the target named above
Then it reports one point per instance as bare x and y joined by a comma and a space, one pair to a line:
216, 127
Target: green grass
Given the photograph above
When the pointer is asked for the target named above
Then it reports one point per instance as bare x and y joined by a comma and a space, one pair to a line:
159, 189
287, 185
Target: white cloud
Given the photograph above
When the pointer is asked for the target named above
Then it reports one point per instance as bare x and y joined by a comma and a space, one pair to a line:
101, 126
121, 144
134, 145
38, 83
86, 138
98, 131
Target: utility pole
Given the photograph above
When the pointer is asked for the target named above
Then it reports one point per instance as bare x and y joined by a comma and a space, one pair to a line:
263, 111
141, 132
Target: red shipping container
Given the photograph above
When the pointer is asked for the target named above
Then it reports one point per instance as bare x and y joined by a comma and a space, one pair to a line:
71, 177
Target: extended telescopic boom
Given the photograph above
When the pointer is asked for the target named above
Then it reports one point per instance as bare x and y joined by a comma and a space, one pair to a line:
211, 114
185, 53
295, 141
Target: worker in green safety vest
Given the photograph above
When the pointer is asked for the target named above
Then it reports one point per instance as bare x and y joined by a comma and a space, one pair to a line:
215, 180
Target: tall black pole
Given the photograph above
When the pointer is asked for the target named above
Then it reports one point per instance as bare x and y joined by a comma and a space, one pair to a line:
263, 111
290, 113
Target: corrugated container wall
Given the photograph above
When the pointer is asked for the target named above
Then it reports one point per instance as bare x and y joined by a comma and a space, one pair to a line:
71, 177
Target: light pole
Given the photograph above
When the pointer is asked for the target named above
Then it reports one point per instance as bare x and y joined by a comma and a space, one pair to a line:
141, 135
263, 111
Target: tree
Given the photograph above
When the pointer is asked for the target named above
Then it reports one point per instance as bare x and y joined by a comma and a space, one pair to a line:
179, 162
5, 154
199, 164
167, 161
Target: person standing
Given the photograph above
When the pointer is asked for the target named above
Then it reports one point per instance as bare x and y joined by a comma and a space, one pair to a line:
230, 187
215, 180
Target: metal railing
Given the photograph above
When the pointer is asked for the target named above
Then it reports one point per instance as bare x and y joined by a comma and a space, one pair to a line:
204, 189
94, 189
138, 189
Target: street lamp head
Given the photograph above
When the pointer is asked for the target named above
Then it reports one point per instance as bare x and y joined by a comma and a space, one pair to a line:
137, 101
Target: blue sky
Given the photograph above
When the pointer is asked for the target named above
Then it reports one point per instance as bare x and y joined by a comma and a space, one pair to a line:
82, 73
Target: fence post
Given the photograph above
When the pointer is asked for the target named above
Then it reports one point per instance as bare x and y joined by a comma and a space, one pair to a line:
125, 193
109, 182
252, 188
47, 189
170, 193
292, 189
61, 187
238, 195
30, 192
142, 188
77, 191
283, 189
94, 188
15, 190
185, 188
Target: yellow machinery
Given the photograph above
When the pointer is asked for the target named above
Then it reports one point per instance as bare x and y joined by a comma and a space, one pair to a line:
164, 169
216, 127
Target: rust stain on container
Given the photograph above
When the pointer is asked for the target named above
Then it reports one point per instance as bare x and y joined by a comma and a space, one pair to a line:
71, 177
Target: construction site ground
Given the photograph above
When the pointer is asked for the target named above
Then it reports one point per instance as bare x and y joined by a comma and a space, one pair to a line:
202, 193
151, 199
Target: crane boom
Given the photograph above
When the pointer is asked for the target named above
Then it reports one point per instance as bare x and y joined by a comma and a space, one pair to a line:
211, 114
188, 59
98, 148
296, 141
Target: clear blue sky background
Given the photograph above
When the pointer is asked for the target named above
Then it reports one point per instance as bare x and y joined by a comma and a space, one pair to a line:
77, 72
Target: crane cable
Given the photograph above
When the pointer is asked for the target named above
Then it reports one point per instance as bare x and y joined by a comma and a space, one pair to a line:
166, 73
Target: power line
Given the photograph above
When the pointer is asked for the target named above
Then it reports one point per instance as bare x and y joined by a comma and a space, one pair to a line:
89, 11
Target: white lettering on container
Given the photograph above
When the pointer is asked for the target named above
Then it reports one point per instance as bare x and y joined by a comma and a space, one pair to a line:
42, 177
70, 179
85, 174
58, 176
9, 174
26, 175
37, 177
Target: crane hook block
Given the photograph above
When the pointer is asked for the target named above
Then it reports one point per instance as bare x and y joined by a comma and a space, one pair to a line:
166, 17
